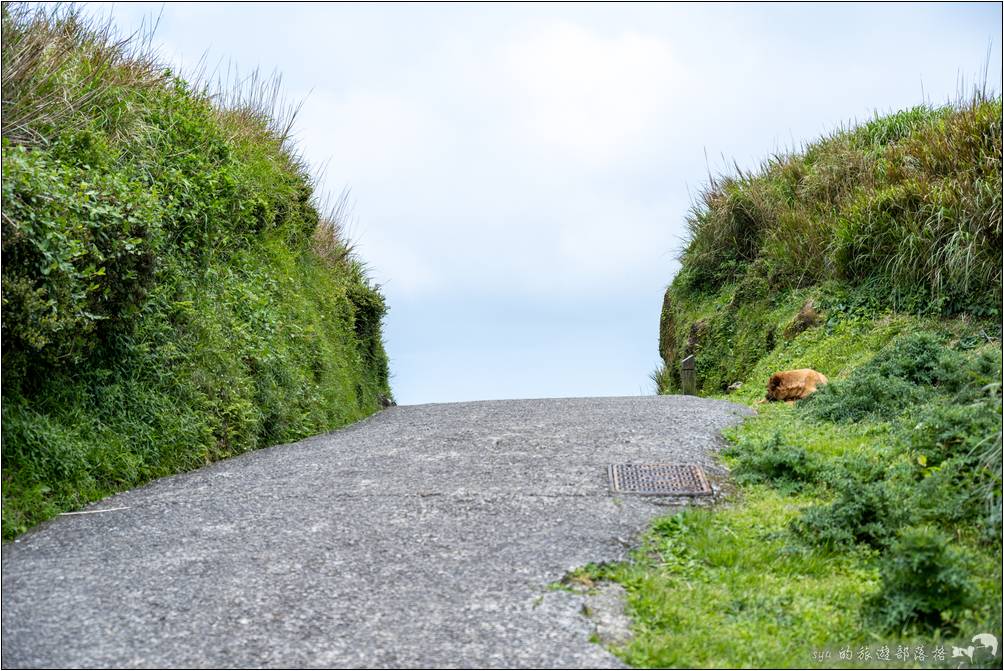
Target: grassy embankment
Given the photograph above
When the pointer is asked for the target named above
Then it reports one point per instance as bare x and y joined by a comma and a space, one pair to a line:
171, 294
868, 515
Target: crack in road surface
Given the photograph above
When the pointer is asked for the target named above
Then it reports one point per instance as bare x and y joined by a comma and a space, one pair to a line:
424, 536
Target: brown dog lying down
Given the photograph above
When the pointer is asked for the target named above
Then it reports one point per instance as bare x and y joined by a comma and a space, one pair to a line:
791, 385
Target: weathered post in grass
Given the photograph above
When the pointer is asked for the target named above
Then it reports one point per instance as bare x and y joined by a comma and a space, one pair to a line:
688, 377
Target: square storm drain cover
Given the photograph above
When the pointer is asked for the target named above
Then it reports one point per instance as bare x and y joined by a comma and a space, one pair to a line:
659, 479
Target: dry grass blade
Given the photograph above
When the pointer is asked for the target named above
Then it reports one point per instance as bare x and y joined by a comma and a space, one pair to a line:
59, 65
911, 200
258, 100
63, 67
329, 240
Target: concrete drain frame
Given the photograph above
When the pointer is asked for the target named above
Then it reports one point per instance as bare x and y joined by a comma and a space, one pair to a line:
658, 480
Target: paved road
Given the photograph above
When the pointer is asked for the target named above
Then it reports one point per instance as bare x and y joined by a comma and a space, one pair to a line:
424, 536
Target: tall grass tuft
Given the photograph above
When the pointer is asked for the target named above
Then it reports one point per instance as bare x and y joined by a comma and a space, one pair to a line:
61, 69
909, 202
329, 241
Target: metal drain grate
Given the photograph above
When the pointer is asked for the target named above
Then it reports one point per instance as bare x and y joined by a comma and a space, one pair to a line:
659, 479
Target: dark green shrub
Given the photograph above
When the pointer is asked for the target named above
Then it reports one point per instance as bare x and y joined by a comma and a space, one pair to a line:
957, 450
916, 358
79, 254
865, 394
905, 372
926, 584
947, 430
977, 377
949, 425
368, 313
753, 286
868, 507
787, 467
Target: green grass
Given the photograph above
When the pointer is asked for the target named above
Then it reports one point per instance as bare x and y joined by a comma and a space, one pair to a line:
733, 587
910, 202
728, 588
902, 213
868, 514
789, 565
171, 293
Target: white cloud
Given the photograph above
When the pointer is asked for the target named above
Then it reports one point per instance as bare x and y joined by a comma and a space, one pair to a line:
409, 270
613, 248
594, 97
366, 134
483, 152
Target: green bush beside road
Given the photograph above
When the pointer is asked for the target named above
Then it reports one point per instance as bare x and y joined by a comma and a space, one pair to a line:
171, 293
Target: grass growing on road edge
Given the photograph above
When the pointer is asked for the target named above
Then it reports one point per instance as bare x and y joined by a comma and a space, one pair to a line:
867, 519
879, 531
172, 294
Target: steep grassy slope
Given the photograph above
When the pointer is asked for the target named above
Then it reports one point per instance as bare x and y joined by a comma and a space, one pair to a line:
171, 295
903, 213
865, 529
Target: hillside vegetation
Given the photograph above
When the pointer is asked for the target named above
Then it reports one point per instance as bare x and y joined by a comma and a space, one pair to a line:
171, 294
865, 528
901, 214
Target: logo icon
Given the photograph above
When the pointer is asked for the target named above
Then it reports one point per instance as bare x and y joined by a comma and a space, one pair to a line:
988, 641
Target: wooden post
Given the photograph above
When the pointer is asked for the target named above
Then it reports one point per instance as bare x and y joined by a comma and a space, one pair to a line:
688, 376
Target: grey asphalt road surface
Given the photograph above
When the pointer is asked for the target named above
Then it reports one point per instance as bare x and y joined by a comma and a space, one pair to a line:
424, 536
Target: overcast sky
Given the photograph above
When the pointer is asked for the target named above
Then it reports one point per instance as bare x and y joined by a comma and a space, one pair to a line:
521, 173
